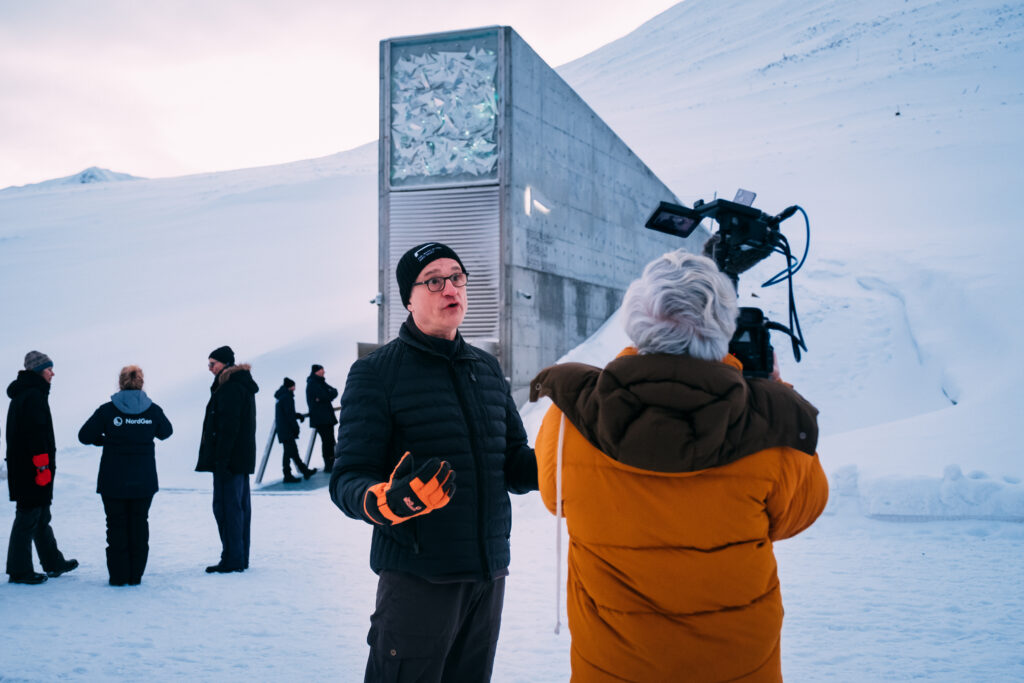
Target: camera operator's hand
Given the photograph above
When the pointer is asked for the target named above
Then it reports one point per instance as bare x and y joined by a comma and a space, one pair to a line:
407, 494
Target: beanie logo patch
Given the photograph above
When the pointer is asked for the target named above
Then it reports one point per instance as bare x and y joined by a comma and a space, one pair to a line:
425, 251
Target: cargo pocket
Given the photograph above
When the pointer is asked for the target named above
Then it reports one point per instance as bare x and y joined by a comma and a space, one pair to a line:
396, 657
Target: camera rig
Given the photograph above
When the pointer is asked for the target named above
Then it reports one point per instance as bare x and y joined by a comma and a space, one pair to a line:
745, 237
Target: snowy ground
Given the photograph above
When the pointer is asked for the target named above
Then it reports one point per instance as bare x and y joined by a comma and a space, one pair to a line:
865, 599
916, 569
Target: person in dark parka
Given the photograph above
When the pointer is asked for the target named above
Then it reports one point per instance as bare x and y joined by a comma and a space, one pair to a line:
31, 467
286, 422
125, 427
418, 411
228, 449
319, 395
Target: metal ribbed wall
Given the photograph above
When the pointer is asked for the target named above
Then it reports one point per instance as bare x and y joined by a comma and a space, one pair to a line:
467, 220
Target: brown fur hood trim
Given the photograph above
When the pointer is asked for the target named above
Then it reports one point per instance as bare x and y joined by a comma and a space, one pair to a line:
669, 413
238, 373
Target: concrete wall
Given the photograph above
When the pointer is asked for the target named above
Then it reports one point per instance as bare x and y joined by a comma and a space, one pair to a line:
572, 199
575, 261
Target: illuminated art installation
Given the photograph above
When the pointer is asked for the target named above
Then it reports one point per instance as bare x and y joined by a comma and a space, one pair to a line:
444, 117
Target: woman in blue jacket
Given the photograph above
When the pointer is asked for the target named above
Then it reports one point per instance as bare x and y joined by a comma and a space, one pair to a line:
125, 427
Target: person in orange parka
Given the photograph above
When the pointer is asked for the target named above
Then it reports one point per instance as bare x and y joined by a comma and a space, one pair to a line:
677, 474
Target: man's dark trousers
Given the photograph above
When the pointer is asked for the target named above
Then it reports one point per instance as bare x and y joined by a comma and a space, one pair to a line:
423, 631
233, 511
32, 525
127, 538
327, 444
291, 455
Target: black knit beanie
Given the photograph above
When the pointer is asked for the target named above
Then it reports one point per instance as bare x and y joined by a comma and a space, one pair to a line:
289, 383
415, 260
315, 369
224, 354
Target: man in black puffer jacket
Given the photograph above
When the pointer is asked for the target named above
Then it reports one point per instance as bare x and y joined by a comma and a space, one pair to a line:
319, 395
125, 427
286, 424
416, 412
228, 449
31, 467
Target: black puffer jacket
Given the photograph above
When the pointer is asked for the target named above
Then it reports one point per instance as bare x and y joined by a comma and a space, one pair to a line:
229, 428
285, 417
126, 427
29, 433
440, 399
319, 395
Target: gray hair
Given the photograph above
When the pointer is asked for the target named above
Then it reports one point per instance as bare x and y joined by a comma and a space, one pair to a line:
682, 304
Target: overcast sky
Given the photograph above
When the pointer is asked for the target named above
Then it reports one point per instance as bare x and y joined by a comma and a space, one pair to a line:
161, 89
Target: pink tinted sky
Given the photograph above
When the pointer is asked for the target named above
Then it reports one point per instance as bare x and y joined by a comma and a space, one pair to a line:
165, 89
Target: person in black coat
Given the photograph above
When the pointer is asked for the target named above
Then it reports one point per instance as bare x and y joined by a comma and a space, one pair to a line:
286, 422
228, 449
419, 411
31, 467
125, 427
319, 395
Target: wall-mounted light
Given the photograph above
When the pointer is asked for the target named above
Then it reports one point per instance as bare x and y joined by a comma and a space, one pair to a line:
534, 201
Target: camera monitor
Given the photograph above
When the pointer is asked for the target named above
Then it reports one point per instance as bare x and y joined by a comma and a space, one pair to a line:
674, 219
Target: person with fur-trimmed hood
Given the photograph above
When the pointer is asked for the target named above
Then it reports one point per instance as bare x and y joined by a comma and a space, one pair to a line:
31, 467
286, 422
228, 449
125, 427
676, 474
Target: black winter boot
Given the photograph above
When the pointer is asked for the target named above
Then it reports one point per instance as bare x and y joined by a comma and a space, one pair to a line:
31, 579
63, 569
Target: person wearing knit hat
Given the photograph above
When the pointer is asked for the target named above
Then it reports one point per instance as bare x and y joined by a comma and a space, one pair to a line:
286, 425
31, 466
319, 395
227, 448
417, 412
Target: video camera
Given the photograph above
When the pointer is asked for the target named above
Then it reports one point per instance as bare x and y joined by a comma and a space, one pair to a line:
745, 237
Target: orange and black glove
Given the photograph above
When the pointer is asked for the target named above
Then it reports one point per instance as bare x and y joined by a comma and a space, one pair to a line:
409, 494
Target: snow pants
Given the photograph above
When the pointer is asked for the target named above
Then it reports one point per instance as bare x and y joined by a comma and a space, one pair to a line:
127, 538
32, 525
232, 509
327, 444
433, 632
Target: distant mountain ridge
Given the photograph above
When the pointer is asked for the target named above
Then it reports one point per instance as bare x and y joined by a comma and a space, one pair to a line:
91, 175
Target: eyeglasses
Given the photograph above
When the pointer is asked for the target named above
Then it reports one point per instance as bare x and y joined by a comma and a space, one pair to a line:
436, 284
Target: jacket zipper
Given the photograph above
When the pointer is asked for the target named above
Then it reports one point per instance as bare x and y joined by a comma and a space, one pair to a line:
480, 479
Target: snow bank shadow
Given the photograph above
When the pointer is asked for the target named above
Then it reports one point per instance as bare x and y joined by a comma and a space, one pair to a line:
954, 496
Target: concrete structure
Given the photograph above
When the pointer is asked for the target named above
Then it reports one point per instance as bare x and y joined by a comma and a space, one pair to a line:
486, 148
